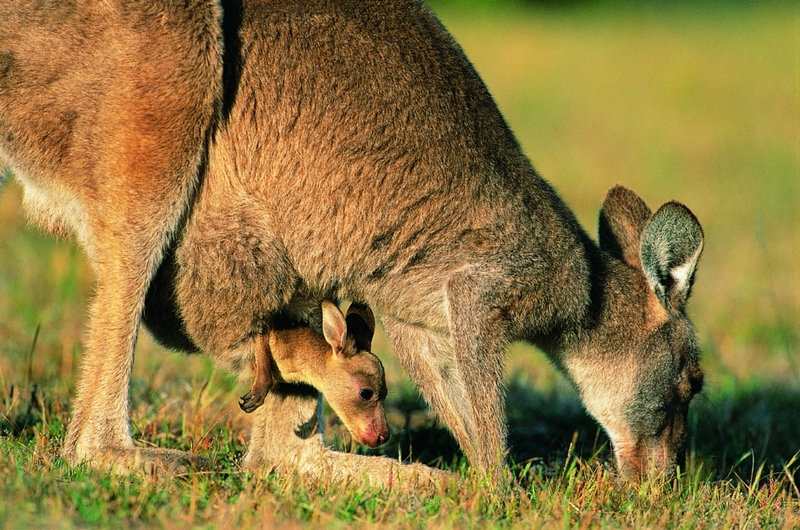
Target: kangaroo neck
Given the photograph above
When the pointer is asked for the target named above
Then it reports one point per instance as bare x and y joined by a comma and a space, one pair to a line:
610, 310
581, 304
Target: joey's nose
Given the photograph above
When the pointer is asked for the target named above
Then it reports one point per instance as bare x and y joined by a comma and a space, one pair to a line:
374, 439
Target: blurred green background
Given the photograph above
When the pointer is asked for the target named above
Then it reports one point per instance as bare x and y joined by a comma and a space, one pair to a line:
697, 102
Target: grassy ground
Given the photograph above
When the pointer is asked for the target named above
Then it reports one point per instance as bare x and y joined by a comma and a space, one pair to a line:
698, 105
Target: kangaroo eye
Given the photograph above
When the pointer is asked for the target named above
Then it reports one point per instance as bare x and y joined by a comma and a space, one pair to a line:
366, 394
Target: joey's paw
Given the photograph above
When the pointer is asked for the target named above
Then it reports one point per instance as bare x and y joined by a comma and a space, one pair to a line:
251, 401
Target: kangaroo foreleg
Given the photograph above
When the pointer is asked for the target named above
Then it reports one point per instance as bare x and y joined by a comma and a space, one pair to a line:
429, 359
478, 331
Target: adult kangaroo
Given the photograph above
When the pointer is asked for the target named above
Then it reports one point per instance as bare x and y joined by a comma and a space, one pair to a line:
283, 152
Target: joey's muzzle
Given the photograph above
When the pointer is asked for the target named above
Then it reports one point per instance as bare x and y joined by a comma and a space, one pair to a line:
373, 436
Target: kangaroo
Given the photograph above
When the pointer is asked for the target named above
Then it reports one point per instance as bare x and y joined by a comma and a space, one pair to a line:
339, 365
285, 152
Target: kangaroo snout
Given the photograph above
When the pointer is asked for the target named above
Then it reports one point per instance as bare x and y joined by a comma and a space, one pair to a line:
375, 433
650, 458
665, 453
654, 444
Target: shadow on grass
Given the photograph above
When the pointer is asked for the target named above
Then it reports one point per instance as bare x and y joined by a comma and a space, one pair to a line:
739, 429
748, 431
733, 432
543, 428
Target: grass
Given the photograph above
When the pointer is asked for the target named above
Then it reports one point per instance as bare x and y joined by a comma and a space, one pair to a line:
701, 105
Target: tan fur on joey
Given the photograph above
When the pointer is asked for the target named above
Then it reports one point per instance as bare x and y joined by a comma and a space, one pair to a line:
223, 179
340, 365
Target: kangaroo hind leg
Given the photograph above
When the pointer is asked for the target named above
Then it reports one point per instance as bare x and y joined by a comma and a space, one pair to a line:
129, 163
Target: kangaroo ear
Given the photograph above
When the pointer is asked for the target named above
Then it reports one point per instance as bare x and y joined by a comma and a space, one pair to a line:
334, 327
361, 324
623, 218
671, 246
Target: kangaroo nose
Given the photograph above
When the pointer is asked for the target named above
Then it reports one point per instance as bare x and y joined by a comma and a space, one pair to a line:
383, 438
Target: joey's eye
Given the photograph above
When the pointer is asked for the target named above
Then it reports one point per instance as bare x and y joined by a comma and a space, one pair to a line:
365, 394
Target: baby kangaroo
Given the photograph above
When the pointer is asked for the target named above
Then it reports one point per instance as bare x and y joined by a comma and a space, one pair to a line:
340, 365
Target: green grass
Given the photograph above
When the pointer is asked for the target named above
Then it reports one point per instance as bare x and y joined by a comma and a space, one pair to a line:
701, 105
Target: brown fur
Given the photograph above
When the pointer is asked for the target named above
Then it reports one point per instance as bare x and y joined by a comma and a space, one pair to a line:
334, 150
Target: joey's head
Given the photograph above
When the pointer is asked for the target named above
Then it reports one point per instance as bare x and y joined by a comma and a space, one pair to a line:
639, 368
354, 382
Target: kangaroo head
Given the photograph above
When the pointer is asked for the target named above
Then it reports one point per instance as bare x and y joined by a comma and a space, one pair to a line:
354, 381
640, 365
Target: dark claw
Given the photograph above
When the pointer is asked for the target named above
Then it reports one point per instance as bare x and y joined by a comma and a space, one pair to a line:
250, 402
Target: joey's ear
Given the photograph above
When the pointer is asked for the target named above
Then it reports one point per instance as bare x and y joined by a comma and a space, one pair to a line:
334, 327
671, 245
361, 325
623, 218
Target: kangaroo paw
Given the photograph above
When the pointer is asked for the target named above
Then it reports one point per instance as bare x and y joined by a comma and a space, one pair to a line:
252, 400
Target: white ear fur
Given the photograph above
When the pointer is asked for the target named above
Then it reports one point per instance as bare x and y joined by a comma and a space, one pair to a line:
334, 327
671, 246
682, 274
